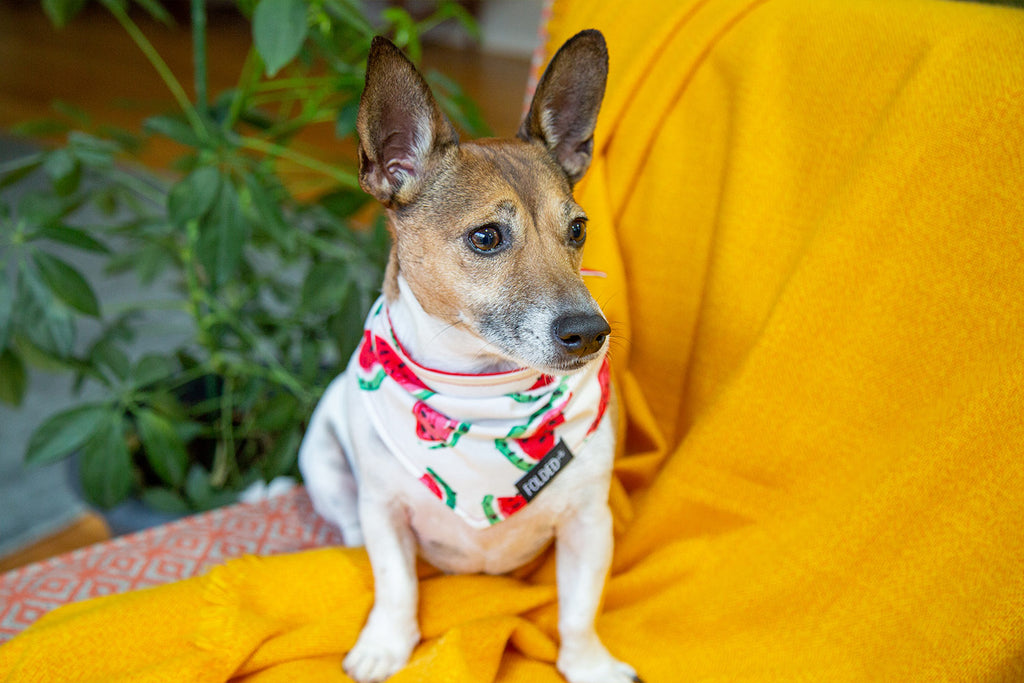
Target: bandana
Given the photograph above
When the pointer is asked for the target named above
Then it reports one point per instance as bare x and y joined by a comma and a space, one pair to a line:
484, 444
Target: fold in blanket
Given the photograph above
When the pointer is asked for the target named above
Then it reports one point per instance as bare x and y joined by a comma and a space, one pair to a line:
811, 217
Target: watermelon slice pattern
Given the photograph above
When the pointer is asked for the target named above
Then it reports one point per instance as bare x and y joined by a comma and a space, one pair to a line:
375, 351
435, 426
439, 488
543, 440
501, 508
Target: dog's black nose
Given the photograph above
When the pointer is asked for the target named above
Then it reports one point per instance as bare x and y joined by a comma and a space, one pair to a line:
581, 334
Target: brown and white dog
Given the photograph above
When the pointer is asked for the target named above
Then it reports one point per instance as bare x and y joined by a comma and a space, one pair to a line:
484, 306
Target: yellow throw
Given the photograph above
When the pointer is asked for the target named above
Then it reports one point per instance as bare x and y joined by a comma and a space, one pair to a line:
812, 219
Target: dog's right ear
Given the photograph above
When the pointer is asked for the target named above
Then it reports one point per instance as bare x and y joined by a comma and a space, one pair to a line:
400, 126
563, 113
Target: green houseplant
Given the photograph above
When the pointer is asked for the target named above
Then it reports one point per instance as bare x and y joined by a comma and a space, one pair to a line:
275, 286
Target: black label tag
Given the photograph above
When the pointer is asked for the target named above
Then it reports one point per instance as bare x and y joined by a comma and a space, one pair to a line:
534, 481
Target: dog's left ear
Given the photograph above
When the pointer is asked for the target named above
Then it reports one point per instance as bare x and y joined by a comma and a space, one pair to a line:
402, 130
563, 113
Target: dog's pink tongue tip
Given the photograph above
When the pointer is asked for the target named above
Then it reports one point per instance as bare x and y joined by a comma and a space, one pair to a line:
588, 272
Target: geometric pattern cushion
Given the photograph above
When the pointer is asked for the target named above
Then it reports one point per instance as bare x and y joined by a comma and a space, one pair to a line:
179, 550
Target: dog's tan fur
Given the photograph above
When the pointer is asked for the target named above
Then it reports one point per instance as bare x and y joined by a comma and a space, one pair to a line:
492, 181
458, 308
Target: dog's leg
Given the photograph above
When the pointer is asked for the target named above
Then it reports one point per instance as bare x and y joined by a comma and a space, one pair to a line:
329, 479
392, 630
584, 554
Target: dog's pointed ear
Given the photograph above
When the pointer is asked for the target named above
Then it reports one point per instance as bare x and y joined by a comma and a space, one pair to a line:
563, 113
400, 126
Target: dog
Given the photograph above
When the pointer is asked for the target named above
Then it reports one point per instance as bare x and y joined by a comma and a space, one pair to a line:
473, 424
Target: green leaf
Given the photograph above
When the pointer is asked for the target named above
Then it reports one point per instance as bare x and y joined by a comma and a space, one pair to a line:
283, 456
91, 150
106, 352
79, 116
7, 295
325, 287
151, 261
13, 379
164, 451
165, 500
343, 203
64, 170
197, 486
75, 237
222, 236
44, 321
404, 31
151, 368
219, 499
157, 11
309, 357
277, 412
459, 107
453, 10
42, 208
63, 433
37, 358
20, 168
194, 195
279, 29
106, 465
47, 127
62, 11
268, 213
345, 121
67, 283
346, 324
173, 127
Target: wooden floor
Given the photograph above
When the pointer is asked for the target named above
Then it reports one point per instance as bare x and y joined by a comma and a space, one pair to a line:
92, 65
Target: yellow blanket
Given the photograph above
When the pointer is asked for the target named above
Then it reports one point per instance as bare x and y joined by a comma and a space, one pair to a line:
812, 216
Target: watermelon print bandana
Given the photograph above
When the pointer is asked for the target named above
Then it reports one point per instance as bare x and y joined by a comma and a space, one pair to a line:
484, 444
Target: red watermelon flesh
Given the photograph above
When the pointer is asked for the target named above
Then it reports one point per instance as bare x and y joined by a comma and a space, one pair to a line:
432, 425
432, 485
543, 440
511, 505
376, 351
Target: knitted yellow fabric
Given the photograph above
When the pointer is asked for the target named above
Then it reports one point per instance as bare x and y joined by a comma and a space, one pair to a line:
812, 217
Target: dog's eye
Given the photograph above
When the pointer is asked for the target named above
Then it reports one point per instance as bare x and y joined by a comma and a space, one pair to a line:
578, 231
486, 238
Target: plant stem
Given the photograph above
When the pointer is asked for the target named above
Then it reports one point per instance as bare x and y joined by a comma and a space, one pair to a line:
286, 128
326, 246
199, 54
343, 178
157, 62
196, 295
225, 451
248, 82
295, 83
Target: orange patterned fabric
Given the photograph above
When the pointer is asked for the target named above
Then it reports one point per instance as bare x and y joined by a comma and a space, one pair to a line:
171, 552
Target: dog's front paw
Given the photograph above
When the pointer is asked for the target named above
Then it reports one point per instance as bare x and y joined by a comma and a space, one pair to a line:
380, 652
592, 663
